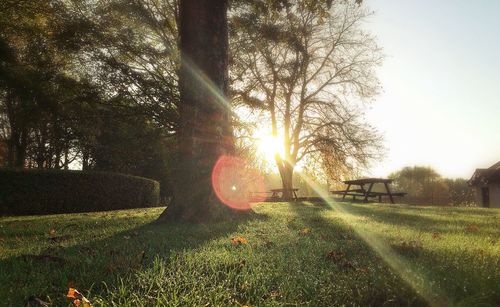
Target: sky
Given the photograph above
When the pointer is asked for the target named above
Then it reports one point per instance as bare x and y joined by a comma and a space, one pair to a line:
440, 104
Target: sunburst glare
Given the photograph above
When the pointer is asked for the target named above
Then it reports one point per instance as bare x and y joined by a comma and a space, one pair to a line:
268, 146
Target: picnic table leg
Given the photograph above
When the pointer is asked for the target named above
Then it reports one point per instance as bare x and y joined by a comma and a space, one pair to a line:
389, 192
347, 190
368, 192
295, 195
362, 186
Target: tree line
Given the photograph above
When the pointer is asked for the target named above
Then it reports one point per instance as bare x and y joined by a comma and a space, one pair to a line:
426, 186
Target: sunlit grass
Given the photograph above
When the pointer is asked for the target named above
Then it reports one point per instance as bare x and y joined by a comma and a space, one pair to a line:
296, 254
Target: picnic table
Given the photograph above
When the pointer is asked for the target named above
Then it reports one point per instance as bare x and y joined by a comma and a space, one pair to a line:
366, 193
275, 193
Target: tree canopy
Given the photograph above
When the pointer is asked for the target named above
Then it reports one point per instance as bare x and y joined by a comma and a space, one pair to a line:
308, 67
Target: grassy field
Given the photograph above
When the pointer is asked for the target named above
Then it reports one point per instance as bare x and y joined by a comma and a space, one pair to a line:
286, 254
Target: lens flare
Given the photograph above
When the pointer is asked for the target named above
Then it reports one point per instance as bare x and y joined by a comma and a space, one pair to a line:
234, 183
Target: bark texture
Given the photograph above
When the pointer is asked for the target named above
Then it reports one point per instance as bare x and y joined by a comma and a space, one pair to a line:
205, 128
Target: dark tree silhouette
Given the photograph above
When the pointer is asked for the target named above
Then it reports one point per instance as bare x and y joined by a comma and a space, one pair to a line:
204, 132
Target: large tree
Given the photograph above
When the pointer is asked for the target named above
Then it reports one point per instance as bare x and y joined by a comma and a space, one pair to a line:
204, 132
305, 65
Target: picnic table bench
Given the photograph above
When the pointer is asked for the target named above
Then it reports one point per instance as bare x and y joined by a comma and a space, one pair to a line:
275, 193
368, 193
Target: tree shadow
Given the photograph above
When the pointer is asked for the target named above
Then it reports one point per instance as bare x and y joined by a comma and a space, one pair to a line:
99, 264
350, 258
462, 284
425, 219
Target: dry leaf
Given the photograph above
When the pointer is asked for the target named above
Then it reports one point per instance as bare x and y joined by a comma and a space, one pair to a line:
304, 231
336, 256
238, 241
472, 228
72, 293
364, 270
78, 298
436, 235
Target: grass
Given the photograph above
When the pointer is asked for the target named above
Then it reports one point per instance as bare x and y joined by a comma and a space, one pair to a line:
288, 254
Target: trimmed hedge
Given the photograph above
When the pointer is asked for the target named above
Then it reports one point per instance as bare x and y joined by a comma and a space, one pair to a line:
57, 191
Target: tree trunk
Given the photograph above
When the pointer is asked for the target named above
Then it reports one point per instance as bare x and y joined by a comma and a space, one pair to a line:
66, 154
287, 181
11, 149
205, 128
20, 149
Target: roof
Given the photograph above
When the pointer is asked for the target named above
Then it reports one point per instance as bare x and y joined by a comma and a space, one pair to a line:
486, 175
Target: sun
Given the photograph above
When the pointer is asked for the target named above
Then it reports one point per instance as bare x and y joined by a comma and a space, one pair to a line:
268, 146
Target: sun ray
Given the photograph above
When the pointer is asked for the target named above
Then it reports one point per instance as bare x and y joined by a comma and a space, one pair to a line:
268, 146
412, 275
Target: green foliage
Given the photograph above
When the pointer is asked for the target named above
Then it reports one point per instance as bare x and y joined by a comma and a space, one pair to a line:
51, 191
296, 254
422, 185
132, 145
425, 185
461, 193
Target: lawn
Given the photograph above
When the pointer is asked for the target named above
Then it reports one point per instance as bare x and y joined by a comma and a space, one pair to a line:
285, 254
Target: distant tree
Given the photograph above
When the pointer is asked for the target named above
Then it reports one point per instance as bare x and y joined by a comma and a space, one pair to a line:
131, 145
461, 194
303, 65
421, 183
31, 75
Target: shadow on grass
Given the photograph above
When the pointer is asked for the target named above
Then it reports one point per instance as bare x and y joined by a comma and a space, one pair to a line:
464, 277
352, 261
426, 219
97, 265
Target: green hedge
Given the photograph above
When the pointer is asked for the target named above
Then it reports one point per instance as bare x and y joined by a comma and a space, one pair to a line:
56, 191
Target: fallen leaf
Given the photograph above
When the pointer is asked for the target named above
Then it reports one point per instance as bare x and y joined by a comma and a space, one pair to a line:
304, 231
336, 256
72, 293
472, 228
238, 241
78, 298
436, 235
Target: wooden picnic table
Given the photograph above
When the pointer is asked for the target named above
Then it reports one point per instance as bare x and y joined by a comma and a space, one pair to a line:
276, 193
366, 193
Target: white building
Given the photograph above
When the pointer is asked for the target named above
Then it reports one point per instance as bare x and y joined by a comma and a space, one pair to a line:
486, 182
